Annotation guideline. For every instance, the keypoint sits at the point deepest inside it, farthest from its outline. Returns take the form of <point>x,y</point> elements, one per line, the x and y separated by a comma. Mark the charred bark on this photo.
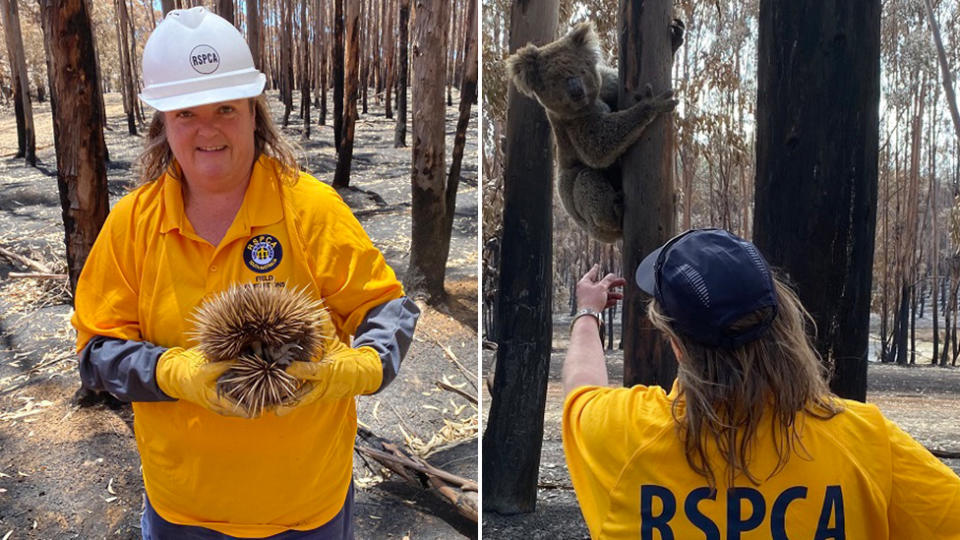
<point>26,134</point>
<point>427,266</point>
<point>650,214</point>
<point>350,75</point>
<point>816,184</point>
<point>77,126</point>
<point>400,132</point>
<point>514,432</point>
<point>337,73</point>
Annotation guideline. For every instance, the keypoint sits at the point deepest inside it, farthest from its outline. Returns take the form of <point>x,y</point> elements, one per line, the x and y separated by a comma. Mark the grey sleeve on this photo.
<point>388,329</point>
<point>126,369</point>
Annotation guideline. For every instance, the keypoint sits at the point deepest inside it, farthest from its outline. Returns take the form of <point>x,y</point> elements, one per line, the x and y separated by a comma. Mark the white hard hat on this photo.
<point>193,58</point>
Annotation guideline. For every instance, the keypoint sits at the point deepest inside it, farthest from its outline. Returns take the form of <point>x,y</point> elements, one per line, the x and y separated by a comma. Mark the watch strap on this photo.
<point>593,313</point>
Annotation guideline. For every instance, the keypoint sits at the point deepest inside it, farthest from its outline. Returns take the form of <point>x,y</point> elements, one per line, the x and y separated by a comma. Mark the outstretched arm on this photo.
<point>584,364</point>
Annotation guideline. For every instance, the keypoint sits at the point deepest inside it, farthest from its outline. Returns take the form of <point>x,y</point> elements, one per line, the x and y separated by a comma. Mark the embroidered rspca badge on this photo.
<point>262,253</point>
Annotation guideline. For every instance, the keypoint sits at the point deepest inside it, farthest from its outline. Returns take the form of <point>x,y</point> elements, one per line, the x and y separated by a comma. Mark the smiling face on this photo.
<point>214,144</point>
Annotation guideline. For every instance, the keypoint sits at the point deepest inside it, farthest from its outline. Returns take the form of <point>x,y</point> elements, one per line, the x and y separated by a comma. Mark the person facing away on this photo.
<point>222,202</point>
<point>749,442</point>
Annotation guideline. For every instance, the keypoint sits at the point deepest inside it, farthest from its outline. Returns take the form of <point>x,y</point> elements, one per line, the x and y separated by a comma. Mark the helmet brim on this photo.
<point>206,97</point>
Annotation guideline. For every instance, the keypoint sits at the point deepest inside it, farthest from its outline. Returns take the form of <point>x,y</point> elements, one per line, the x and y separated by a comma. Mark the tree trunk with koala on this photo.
<point>817,146</point>
<point>514,433</point>
<point>649,207</point>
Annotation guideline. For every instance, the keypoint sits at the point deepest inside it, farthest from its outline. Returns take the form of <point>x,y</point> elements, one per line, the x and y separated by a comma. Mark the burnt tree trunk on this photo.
<point>128,89</point>
<point>225,10</point>
<point>514,432</point>
<point>388,56</point>
<point>425,273</point>
<point>816,184</point>
<point>134,64</point>
<point>649,197</point>
<point>350,93</point>
<point>468,96</point>
<point>364,58</point>
<point>253,31</point>
<point>324,52</point>
<point>286,60</point>
<point>167,6</point>
<point>337,73</point>
<point>305,69</point>
<point>400,132</point>
<point>902,328</point>
<point>26,135</point>
<point>77,126</point>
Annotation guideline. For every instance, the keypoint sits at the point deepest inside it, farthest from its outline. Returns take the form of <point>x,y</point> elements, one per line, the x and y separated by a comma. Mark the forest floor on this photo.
<point>68,471</point>
<point>923,400</point>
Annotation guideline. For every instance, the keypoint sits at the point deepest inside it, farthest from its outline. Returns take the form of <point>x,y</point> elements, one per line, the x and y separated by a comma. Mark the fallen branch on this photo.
<point>458,491</point>
<point>471,377</point>
<point>35,275</point>
<point>946,454</point>
<point>551,485</point>
<point>39,267</point>
<point>52,361</point>
<point>444,386</point>
<point>398,457</point>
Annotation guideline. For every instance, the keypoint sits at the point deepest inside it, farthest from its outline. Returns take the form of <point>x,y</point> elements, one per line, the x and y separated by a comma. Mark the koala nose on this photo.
<point>575,88</point>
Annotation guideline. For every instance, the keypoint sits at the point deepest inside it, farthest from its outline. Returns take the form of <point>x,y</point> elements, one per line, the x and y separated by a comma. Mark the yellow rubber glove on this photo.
<point>341,372</point>
<point>185,374</point>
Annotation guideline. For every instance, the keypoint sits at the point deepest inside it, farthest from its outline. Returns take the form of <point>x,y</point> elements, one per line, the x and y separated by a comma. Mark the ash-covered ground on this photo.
<point>73,472</point>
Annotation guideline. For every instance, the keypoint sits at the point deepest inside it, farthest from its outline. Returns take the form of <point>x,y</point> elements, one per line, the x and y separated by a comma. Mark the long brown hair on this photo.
<point>157,156</point>
<point>724,393</point>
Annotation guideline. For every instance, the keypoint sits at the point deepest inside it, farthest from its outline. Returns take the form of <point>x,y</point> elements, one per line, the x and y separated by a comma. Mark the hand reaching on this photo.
<point>598,295</point>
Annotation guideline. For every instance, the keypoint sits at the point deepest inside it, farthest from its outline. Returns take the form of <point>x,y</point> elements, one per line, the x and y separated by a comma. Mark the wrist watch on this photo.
<point>592,313</point>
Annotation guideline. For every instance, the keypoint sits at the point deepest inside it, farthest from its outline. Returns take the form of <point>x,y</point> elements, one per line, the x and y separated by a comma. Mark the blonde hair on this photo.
<point>156,156</point>
<point>724,393</point>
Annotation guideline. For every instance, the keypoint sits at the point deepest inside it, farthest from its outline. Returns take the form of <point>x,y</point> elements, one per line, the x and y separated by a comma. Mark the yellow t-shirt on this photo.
<point>858,476</point>
<point>145,274</point>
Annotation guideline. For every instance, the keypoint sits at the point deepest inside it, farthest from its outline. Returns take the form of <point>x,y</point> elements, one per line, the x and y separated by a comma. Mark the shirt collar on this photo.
<point>261,204</point>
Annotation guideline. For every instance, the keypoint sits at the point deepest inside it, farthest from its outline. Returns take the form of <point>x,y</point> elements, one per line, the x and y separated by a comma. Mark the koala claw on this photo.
<point>677,29</point>
<point>663,102</point>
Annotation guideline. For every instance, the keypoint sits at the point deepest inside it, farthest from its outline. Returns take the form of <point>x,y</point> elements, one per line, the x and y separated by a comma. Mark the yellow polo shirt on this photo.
<point>145,274</point>
<point>857,476</point>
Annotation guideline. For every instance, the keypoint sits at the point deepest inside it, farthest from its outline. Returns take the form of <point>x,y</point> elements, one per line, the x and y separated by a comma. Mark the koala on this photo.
<point>579,94</point>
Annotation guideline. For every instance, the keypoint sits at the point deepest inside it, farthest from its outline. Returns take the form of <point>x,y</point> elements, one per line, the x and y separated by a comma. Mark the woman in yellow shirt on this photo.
<point>222,202</point>
<point>750,442</point>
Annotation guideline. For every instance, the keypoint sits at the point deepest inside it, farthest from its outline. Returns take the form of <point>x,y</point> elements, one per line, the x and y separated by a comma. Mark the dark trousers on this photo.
<point>154,527</point>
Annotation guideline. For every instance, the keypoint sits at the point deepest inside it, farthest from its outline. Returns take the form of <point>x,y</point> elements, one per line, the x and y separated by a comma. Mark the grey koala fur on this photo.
<point>579,94</point>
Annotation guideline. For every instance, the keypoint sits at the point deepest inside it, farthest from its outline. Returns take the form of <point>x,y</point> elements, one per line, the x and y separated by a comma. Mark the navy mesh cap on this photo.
<point>707,279</point>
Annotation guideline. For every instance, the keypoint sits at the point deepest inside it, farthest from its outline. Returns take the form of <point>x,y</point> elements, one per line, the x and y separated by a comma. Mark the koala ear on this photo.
<point>583,35</point>
<point>524,69</point>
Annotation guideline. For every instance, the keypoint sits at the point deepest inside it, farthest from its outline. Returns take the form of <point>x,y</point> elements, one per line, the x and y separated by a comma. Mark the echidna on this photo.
<point>263,329</point>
